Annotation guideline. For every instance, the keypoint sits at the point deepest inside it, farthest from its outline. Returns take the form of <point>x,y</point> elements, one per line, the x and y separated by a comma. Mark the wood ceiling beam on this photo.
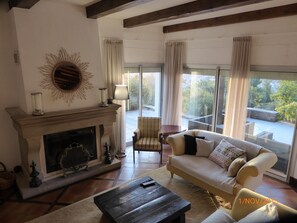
<point>269,13</point>
<point>26,4</point>
<point>185,10</point>
<point>106,7</point>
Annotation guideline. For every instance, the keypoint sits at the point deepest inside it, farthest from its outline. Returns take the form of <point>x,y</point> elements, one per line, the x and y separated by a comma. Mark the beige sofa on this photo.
<point>205,173</point>
<point>247,201</point>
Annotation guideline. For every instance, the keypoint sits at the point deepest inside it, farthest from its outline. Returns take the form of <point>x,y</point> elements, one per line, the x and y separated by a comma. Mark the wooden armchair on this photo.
<point>147,136</point>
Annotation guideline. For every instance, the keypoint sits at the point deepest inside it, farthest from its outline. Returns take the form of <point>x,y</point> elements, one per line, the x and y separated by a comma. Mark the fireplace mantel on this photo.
<point>34,126</point>
<point>31,130</point>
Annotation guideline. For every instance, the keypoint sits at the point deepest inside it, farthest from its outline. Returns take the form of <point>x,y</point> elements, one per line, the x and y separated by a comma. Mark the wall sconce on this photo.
<point>103,98</point>
<point>37,103</point>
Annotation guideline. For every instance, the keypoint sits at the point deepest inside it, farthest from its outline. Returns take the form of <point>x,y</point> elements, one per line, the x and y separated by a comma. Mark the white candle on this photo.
<point>37,98</point>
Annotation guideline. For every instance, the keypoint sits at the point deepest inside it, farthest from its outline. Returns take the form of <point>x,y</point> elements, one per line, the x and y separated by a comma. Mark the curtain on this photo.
<point>236,107</point>
<point>113,58</point>
<point>172,94</point>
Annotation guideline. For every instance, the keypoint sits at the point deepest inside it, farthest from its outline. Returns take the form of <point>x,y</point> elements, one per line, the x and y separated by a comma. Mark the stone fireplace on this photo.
<point>42,139</point>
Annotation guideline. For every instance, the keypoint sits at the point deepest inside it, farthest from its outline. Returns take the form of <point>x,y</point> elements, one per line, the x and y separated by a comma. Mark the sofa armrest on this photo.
<point>177,142</point>
<point>256,166</point>
<point>247,201</point>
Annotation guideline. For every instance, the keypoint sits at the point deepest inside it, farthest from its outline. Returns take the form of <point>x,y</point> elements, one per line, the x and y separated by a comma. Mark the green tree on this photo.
<point>255,96</point>
<point>148,90</point>
<point>260,94</point>
<point>286,99</point>
<point>198,97</point>
<point>133,81</point>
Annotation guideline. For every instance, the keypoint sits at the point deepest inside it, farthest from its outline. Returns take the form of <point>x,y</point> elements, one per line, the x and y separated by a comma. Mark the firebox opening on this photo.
<point>55,144</point>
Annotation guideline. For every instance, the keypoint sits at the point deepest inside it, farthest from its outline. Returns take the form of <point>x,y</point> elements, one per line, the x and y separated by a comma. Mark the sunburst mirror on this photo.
<point>66,76</point>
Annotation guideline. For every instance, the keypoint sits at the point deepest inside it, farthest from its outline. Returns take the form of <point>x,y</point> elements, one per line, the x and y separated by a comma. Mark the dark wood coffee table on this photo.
<point>133,203</point>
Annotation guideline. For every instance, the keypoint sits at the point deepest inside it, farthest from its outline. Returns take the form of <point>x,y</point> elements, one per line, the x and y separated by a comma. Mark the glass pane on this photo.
<point>151,91</point>
<point>198,94</point>
<point>131,78</point>
<point>272,107</point>
<point>221,100</point>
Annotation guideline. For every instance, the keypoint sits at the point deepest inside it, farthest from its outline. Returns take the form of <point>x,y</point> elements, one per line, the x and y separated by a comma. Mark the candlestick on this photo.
<point>37,103</point>
<point>103,99</point>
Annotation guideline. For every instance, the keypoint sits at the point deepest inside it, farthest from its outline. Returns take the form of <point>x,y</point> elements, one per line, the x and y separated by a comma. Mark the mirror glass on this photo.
<point>66,76</point>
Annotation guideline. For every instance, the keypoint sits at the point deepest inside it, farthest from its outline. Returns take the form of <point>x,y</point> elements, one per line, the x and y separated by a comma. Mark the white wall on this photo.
<point>9,151</point>
<point>44,29</point>
<point>141,45</point>
<point>274,42</point>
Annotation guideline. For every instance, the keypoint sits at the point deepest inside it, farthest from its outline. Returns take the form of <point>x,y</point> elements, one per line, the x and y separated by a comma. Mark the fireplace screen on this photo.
<point>55,144</point>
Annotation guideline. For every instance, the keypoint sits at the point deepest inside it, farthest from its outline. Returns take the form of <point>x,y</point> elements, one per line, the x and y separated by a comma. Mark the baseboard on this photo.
<point>293,182</point>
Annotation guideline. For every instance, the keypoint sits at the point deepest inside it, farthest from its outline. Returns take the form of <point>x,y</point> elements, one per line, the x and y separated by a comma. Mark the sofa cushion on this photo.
<point>235,166</point>
<point>205,170</point>
<point>190,144</point>
<point>225,153</point>
<point>219,216</point>
<point>204,147</point>
<point>264,214</point>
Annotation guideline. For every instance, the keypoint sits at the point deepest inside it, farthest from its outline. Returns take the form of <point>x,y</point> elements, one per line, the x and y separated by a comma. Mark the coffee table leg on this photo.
<point>180,219</point>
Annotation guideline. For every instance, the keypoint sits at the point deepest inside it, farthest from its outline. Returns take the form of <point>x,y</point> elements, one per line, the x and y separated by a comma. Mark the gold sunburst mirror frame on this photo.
<point>66,76</point>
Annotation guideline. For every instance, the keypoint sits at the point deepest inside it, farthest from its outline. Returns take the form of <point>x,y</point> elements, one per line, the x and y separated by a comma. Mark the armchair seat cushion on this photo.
<point>208,171</point>
<point>148,144</point>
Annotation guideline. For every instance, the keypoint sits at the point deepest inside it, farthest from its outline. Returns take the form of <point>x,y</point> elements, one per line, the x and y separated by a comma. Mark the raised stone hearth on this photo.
<point>32,130</point>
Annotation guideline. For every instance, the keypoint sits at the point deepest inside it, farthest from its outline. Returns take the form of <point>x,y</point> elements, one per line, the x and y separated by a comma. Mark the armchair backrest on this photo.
<point>149,126</point>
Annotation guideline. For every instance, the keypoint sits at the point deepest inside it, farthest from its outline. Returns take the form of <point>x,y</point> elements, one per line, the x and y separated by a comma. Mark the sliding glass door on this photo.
<point>144,85</point>
<point>272,107</point>
<point>204,99</point>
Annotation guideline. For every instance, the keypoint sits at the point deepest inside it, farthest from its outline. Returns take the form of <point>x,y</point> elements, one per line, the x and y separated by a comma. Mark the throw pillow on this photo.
<point>267,213</point>
<point>204,147</point>
<point>235,166</point>
<point>225,153</point>
<point>190,144</point>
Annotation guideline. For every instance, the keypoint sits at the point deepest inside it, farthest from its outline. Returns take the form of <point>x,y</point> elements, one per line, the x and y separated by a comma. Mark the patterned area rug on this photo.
<point>202,203</point>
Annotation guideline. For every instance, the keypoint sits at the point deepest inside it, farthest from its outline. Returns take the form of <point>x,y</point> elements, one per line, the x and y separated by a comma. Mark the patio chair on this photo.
<point>147,136</point>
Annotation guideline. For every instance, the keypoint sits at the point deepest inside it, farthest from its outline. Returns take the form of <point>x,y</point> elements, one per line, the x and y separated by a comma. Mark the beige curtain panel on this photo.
<point>236,106</point>
<point>113,60</point>
<point>173,70</point>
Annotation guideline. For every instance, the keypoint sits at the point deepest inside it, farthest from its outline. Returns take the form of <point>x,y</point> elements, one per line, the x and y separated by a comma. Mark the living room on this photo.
<point>31,34</point>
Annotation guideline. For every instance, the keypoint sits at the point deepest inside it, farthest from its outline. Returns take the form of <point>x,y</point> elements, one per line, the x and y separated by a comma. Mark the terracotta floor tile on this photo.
<point>48,197</point>
<point>56,207</point>
<point>273,183</point>
<point>83,190</point>
<point>126,175</point>
<point>110,175</point>
<point>21,211</point>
